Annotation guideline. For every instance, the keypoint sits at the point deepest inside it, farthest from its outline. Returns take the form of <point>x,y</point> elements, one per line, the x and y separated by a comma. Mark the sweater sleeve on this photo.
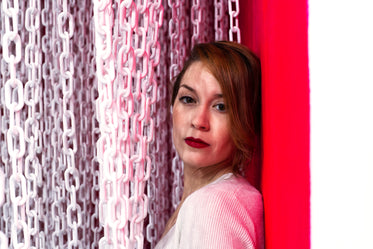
<point>221,219</point>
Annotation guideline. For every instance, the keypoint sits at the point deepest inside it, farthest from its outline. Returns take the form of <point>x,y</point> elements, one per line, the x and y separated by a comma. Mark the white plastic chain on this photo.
<point>32,92</point>
<point>43,194</point>
<point>85,140</point>
<point>178,30</point>
<point>221,20</point>
<point>234,30</point>
<point>127,51</point>
<point>65,27</point>
<point>15,136</point>
<point>158,184</point>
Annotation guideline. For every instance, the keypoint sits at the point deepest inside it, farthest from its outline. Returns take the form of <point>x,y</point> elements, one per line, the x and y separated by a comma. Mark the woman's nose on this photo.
<point>201,120</point>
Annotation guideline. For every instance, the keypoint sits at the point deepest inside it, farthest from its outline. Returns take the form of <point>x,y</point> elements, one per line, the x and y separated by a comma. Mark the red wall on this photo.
<point>277,30</point>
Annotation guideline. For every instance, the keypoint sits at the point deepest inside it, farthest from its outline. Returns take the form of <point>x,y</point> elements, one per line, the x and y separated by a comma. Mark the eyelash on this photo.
<point>186,100</point>
<point>221,107</point>
<point>220,104</point>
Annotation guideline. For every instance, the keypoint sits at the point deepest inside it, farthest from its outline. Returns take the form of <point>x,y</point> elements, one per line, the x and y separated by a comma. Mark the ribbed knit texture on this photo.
<point>227,213</point>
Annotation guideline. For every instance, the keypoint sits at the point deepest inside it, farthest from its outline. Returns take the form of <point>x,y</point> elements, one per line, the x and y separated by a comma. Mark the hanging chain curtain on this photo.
<point>86,157</point>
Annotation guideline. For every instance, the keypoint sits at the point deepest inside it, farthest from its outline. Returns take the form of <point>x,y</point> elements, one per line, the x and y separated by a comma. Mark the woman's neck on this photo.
<point>196,178</point>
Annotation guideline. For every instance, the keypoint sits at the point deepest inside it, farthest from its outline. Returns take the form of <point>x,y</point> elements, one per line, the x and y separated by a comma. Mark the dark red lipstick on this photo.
<point>196,142</point>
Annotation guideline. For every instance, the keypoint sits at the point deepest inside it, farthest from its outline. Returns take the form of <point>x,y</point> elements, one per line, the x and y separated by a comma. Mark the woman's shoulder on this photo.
<point>230,194</point>
<point>226,212</point>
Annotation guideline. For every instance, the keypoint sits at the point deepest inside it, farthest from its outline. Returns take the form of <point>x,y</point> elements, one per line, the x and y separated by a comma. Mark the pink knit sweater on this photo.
<point>227,213</point>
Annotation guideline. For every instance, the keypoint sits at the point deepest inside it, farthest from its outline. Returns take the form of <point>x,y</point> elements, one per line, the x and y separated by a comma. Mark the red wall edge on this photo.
<point>277,30</point>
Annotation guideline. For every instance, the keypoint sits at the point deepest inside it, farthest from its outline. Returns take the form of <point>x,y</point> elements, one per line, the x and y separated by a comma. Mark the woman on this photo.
<point>216,123</point>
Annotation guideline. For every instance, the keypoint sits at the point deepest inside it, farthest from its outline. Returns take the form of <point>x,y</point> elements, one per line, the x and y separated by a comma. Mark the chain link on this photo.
<point>234,11</point>
<point>221,20</point>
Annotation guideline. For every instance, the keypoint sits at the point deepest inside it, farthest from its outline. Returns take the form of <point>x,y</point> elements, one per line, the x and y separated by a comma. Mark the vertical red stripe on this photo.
<point>282,27</point>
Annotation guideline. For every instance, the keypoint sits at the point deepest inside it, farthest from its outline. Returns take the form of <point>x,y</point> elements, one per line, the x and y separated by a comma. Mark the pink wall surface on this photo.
<point>277,30</point>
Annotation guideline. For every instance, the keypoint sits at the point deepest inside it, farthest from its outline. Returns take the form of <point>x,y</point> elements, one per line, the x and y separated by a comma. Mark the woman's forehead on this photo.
<point>197,76</point>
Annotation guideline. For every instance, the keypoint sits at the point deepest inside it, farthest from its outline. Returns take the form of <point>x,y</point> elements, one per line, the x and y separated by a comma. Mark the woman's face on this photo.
<point>200,120</point>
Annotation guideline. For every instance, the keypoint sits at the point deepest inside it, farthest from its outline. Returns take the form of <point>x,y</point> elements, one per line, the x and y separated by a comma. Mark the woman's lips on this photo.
<point>196,142</point>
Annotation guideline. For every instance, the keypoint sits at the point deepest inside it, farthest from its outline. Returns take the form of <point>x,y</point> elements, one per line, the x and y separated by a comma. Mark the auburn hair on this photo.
<point>237,69</point>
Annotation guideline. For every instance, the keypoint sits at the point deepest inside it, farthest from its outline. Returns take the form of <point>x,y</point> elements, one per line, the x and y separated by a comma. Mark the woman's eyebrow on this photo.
<point>188,87</point>
<point>217,96</point>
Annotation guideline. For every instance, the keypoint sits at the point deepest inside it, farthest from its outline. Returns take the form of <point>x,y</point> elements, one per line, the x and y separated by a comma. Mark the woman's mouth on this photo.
<point>196,142</point>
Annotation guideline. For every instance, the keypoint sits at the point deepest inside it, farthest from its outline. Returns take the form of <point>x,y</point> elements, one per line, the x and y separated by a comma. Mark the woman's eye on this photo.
<point>220,107</point>
<point>186,99</point>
